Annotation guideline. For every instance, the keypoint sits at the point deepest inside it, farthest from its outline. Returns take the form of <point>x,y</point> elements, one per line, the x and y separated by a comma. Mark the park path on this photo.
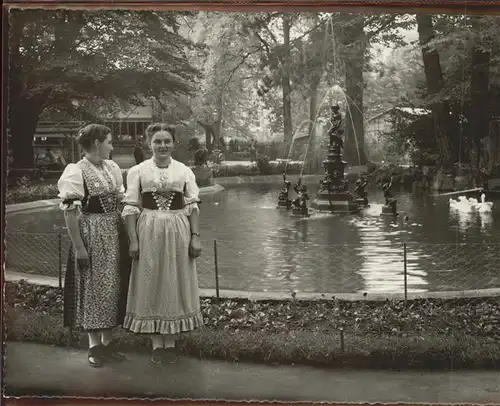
<point>34,369</point>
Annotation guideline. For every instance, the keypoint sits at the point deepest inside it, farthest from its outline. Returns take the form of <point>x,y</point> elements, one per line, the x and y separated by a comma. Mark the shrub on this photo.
<point>264,165</point>
<point>371,167</point>
<point>398,173</point>
<point>221,170</point>
<point>29,193</point>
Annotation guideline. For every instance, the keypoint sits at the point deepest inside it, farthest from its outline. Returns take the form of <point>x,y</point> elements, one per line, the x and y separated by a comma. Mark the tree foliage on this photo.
<point>259,75</point>
<point>74,61</point>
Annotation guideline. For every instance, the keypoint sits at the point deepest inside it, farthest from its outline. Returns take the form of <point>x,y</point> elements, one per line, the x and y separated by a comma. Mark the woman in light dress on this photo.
<point>96,276</point>
<point>162,219</point>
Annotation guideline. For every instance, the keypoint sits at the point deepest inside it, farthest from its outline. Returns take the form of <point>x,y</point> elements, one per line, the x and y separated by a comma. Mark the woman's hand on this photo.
<point>195,246</point>
<point>82,258</point>
<point>133,250</point>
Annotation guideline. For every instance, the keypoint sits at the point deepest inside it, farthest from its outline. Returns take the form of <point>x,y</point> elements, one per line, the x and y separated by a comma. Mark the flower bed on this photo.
<point>31,193</point>
<point>436,334</point>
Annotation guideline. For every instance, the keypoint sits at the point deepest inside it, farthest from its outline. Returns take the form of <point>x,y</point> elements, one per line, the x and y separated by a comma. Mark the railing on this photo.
<point>296,267</point>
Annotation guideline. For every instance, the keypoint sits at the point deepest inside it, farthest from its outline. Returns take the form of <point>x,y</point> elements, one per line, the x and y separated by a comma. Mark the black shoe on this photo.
<point>157,356</point>
<point>96,356</point>
<point>112,353</point>
<point>170,355</point>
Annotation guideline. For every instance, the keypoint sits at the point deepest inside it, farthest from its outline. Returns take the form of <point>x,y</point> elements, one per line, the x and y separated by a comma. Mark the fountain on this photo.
<point>390,206</point>
<point>334,195</point>
<point>361,197</point>
<point>300,202</point>
<point>284,196</point>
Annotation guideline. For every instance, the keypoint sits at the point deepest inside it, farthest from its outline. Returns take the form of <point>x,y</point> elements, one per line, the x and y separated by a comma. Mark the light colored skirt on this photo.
<point>163,295</point>
<point>93,298</point>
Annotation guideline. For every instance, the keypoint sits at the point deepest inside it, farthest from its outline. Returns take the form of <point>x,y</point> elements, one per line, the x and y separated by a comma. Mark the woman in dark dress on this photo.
<point>97,274</point>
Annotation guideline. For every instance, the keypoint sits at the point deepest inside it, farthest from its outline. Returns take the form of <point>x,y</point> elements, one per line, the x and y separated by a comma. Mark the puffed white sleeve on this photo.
<point>71,188</point>
<point>132,200</point>
<point>118,175</point>
<point>191,193</point>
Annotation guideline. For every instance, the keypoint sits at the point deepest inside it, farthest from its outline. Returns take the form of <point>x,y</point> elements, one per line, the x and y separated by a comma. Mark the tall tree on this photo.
<point>435,85</point>
<point>357,34</point>
<point>354,45</point>
<point>274,33</point>
<point>479,86</point>
<point>223,99</point>
<point>70,59</point>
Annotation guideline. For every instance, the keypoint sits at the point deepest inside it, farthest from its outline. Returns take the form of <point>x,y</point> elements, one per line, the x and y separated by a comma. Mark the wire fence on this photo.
<point>290,266</point>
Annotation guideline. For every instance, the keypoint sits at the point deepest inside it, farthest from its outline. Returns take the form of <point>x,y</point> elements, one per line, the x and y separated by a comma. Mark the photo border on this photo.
<point>395,6</point>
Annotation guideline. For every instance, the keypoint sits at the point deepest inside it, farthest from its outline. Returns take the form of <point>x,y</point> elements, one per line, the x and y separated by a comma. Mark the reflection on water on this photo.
<point>262,248</point>
<point>486,220</point>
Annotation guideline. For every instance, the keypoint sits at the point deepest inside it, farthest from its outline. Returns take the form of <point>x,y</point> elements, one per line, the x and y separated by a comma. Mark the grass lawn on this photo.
<point>424,334</point>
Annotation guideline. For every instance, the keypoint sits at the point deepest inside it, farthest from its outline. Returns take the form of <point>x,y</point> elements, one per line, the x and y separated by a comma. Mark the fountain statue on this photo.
<point>202,172</point>
<point>200,156</point>
<point>284,196</point>
<point>360,193</point>
<point>390,206</point>
<point>333,194</point>
<point>300,202</point>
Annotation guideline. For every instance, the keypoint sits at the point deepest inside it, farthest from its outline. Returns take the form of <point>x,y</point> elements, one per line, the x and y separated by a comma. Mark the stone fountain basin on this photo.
<point>204,175</point>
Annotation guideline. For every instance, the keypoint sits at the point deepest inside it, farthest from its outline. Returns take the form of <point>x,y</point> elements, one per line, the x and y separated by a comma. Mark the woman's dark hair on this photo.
<point>90,133</point>
<point>157,127</point>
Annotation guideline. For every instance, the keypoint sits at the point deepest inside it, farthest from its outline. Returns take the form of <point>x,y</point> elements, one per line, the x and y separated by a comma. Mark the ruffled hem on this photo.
<point>162,326</point>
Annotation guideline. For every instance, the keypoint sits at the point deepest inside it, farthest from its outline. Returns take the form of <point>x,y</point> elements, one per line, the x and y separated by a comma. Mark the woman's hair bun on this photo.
<point>87,135</point>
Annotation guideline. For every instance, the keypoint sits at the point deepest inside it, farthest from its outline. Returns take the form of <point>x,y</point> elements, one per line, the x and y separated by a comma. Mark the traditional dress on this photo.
<point>163,295</point>
<point>94,297</point>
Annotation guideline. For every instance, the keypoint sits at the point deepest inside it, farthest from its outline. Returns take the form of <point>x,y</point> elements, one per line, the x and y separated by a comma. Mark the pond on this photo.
<point>261,248</point>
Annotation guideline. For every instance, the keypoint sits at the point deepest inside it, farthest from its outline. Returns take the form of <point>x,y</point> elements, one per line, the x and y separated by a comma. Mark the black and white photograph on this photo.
<point>269,204</point>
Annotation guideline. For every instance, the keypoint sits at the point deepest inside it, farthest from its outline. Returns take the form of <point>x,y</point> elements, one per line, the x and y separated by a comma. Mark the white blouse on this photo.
<point>147,177</point>
<point>71,184</point>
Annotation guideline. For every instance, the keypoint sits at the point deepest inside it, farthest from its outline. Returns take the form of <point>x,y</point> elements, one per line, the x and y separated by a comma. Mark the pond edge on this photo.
<point>41,205</point>
<point>52,281</point>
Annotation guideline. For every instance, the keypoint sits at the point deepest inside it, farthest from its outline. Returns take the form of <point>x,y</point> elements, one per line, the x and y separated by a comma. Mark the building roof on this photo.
<point>413,111</point>
<point>54,129</point>
<point>137,113</point>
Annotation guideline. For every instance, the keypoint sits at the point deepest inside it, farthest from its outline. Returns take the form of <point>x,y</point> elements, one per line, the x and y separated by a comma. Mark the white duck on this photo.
<point>484,206</point>
<point>462,204</point>
<point>473,201</point>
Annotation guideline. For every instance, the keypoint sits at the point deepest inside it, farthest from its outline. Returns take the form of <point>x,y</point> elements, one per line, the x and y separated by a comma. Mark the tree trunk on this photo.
<point>209,138</point>
<point>21,120</point>
<point>209,135</point>
<point>24,105</point>
<point>317,36</point>
<point>285,83</point>
<point>435,83</point>
<point>22,127</point>
<point>355,42</point>
<point>479,87</point>
<point>217,126</point>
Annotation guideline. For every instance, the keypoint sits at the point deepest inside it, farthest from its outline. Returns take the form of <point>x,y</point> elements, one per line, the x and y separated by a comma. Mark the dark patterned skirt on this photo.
<point>95,298</point>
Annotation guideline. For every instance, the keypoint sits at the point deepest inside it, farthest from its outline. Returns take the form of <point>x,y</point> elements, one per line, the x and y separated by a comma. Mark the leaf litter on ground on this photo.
<point>477,316</point>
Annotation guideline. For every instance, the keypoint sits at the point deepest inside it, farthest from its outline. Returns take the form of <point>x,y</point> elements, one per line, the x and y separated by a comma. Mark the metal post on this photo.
<point>216,269</point>
<point>59,244</point>
<point>342,342</point>
<point>405,272</point>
